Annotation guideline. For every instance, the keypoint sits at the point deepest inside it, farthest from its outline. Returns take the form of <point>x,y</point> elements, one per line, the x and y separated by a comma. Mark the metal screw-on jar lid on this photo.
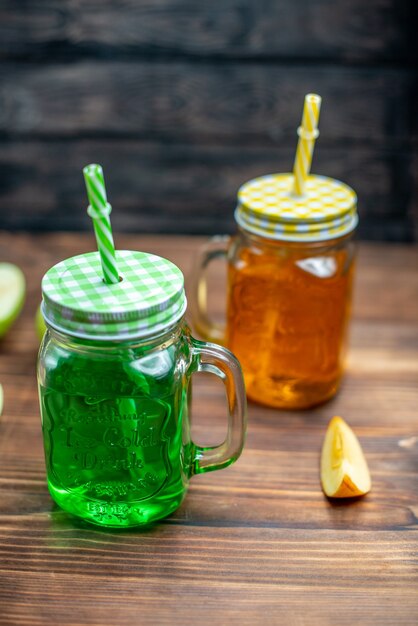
<point>268,206</point>
<point>148,298</point>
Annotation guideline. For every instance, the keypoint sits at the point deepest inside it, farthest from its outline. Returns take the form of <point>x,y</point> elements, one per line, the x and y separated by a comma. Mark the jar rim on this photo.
<point>154,333</point>
<point>267,240</point>
<point>279,237</point>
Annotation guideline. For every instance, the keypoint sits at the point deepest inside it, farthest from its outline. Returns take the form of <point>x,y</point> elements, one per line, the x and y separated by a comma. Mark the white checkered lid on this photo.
<point>148,298</point>
<point>268,207</point>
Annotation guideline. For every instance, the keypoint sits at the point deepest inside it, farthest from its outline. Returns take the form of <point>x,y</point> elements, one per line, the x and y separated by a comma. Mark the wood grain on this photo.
<point>257,543</point>
<point>378,30</point>
<point>200,94</point>
<point>161,188</point>
<point>174,135</point>
<point>232,102</point>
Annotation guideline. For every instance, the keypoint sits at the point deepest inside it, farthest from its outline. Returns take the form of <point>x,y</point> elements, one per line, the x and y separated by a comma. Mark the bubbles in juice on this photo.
<point>287,322</point>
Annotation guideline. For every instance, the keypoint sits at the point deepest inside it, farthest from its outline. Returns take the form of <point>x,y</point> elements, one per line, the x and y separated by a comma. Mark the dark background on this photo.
<point>183,100</point>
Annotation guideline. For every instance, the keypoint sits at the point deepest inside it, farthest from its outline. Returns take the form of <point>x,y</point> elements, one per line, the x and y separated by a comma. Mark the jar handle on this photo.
<point>213,249</point>
<point>208,357</point>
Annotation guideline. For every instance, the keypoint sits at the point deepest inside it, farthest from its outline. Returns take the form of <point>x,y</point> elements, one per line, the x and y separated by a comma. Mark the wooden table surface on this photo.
<point>257,542</point>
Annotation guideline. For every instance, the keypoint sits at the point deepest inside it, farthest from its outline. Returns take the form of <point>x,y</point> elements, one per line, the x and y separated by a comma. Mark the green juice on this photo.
<point>116,430</point>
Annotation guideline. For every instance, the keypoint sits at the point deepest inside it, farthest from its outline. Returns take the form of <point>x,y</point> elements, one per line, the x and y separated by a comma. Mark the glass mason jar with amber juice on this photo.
<point>290,277</point>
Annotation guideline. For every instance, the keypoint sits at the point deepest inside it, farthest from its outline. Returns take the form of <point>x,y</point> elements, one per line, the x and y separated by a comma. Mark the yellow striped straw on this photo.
<point>308,132</point>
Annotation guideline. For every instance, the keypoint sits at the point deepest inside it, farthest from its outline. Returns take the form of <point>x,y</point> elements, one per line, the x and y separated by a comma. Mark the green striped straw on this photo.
<point>99,210</point>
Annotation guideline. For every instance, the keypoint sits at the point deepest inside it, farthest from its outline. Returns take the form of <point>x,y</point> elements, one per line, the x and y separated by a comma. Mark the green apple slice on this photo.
<point>39,323</point>
<point>12,295</point>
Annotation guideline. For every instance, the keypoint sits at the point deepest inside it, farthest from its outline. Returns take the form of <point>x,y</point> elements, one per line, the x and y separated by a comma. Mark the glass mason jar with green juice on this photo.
<point>114,375</point>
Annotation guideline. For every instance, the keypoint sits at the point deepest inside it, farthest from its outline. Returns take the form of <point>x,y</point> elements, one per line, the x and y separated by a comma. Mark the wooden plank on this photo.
<point>93,554</point>
<point>257,543</point>
<point>336,30</point>
<point>157,187</point>
<point>168,574</point>
<point>229,103</point>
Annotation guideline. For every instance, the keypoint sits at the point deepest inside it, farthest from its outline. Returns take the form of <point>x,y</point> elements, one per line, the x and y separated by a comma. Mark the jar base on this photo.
<point>115,514</point>
<point>291,394</point>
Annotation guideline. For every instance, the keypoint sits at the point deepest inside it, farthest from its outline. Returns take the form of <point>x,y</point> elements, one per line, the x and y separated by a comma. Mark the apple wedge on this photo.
<point>12,295</point>
<point>344,471</point>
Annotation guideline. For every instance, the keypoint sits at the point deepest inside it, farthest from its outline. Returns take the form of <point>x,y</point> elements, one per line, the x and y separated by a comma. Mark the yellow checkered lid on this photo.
<point>267,206</point>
